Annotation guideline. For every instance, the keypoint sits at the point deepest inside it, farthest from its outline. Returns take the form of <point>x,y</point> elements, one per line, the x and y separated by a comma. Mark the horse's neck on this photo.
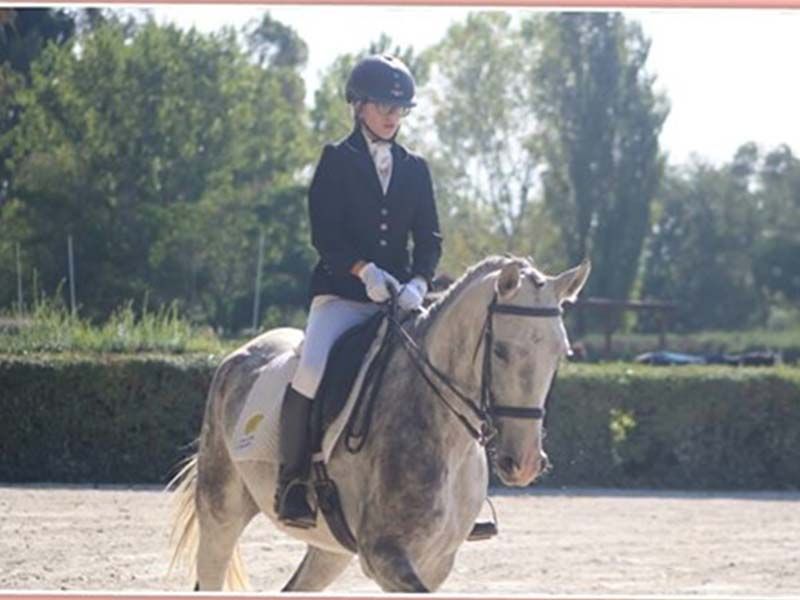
<point>453,340</point>
<point>449,343</point>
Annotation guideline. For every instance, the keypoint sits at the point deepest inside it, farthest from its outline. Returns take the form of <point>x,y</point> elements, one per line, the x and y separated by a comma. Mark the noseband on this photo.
<point>487,409</point>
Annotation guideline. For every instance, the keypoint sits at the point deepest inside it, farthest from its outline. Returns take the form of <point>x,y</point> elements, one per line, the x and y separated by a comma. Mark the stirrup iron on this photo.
<point>484,530</point>
<point>293,509</point>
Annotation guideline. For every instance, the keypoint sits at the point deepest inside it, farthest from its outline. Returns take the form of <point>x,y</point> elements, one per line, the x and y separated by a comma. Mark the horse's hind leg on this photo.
<point>216,560</point>
<point>317,571</point>
<point>224,508</point>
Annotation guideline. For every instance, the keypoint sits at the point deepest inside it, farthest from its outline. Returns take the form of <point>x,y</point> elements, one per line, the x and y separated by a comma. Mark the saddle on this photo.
<point>341,370</point>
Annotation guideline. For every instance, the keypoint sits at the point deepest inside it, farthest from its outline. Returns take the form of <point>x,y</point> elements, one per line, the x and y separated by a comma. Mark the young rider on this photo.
<point>369,197</point>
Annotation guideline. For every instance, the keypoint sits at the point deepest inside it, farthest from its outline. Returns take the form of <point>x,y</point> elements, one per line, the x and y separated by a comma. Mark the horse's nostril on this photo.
<point>507,464</point>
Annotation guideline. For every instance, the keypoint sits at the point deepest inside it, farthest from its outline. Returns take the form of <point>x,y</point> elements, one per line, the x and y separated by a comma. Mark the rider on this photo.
<point>369,194</point>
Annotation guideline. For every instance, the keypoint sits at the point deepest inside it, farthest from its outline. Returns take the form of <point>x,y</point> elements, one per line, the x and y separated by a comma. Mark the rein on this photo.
<point>487,408</point>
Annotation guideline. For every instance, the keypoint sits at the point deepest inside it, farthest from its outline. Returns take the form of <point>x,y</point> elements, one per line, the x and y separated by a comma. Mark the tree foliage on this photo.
<point>601,119</point>
<point>483,116</point>
<point>275,44</point>
<point>776,264</point>
<point>24,33</point>
<point>164,153</point>
<point>725,243</point>
<point>486,158</point>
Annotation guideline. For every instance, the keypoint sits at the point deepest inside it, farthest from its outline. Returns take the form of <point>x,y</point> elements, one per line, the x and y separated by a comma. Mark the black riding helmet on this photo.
<point>381,78</point>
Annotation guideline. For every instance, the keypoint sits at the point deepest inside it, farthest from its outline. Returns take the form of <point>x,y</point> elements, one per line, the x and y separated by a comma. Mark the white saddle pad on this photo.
<point>256,433</point>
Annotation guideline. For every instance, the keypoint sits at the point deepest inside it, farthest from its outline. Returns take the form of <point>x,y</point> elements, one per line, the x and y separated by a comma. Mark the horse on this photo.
<point>413,492</point>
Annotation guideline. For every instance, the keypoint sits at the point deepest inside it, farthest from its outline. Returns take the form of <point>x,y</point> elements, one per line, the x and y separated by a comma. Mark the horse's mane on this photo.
<point>476,271</point>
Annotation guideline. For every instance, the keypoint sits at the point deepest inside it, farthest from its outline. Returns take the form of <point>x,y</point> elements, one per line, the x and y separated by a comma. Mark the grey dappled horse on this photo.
<point>412,494</point>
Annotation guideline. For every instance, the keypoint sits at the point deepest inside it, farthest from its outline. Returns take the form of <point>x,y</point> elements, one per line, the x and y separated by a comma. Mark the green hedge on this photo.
<point>130,419</point>
<point>98,419</point>
<point>675,427</point>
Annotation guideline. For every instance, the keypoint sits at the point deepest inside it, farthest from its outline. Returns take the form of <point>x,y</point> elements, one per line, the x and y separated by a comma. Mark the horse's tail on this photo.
<point>184,537</point>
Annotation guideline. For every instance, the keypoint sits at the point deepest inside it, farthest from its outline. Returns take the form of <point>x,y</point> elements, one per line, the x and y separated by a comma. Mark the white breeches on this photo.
<point>329,317</point>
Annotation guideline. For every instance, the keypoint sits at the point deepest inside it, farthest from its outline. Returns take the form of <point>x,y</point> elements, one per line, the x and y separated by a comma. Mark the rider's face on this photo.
<point>382,120</point>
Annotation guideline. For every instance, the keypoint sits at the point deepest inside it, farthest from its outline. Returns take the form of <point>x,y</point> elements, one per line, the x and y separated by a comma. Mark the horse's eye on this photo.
<point>501,351</point>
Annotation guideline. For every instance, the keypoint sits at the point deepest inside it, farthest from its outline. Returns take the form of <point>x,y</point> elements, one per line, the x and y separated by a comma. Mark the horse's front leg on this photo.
<point>386,561</point>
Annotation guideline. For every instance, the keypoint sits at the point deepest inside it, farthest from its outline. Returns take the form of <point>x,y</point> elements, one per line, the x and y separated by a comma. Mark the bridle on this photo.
<point>487,409</point>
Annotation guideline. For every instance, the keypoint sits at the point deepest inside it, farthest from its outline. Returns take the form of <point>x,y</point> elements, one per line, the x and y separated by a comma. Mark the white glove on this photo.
<point>412,294</point>
<point>376,280</point>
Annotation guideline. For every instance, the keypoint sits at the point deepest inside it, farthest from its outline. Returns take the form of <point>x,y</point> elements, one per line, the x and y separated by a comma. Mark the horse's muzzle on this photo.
<point>511,472</point>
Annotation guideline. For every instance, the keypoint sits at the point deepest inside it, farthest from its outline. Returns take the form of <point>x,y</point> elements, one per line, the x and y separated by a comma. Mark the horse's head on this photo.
<point>527,345</point>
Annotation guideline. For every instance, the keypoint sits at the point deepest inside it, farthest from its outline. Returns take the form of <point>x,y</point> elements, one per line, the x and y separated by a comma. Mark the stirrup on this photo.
<point>482,531</point>
<point>293,509</point>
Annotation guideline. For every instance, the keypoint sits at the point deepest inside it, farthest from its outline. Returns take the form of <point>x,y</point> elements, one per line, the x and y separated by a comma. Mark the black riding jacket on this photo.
<point>352,220</point>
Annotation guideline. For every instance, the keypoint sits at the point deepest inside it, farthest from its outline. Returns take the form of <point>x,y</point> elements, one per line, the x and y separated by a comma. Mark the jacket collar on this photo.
<point>358,144</point>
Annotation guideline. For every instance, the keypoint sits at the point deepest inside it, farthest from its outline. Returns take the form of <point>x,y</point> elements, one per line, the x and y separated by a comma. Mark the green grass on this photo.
<point>50,328</point>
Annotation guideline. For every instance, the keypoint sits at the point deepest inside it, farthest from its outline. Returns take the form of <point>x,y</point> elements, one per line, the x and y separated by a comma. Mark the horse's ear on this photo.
<point>508,281</point>
<point>569,283</point>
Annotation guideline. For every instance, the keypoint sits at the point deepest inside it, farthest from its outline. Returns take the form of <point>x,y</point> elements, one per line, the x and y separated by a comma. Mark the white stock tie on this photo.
<point>382,157</point>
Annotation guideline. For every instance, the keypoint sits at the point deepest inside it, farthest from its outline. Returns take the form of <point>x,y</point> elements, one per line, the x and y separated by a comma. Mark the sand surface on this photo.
<point>554,542</point>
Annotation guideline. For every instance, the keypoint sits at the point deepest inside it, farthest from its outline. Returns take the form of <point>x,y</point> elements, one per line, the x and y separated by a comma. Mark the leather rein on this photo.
<point>487,409</point>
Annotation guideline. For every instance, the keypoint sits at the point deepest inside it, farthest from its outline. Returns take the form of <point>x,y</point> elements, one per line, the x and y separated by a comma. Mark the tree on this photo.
<point>700,250</point>
<point>600,122</point>
<point>725,242</point>
<point>24,32</point>
<point>485,155</point>
<point>275,44</point>
<point>776,267</point>
<point>164,152</point>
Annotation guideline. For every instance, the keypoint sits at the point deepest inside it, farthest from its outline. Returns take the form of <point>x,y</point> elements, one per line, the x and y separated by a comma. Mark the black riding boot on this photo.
<point>291,504</point>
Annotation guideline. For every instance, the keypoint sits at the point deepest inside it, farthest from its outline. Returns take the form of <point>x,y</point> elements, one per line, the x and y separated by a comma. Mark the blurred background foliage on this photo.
<point>168,154</point>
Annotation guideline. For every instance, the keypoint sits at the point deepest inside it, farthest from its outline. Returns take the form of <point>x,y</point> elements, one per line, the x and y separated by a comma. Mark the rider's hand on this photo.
<point>412,294</point>
<point>377,282</point>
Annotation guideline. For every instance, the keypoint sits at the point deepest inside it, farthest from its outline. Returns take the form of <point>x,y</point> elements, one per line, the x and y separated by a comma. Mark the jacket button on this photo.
<point>382,242</point>
<point>384,212</point>
<point>384,227</point>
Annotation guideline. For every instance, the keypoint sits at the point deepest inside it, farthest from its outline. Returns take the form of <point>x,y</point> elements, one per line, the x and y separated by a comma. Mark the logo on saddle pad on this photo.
<point>250,427</point>
<point>252,423</point>
<point>256,434</point>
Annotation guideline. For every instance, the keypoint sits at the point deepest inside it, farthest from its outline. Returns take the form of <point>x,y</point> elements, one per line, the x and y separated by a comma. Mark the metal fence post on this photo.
<point>71,260</point>
<point>257,299</point>
<point>20,306</point>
